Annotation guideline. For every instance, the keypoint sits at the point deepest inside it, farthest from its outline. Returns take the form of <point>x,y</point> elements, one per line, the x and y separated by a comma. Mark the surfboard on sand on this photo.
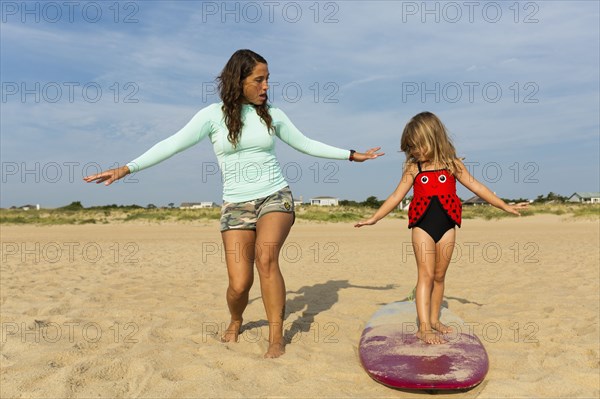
<point>392,355</point>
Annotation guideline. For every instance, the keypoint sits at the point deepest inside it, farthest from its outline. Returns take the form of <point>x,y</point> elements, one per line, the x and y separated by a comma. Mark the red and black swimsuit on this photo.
<point>435,207</point>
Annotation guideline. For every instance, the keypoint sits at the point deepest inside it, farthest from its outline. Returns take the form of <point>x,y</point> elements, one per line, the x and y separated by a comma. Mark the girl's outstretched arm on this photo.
<point>394,199</point>
<point>479,189</point>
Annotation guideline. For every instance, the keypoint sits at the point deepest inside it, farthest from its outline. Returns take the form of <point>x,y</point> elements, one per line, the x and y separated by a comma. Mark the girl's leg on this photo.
<point>443,249</point>
<point>239,256</point>
<point>425,253</point>
<point>271,231</point>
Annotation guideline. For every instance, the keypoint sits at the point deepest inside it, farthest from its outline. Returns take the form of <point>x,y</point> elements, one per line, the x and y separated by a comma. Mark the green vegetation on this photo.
<point>489,212</point>
<point>338,213</point>
<point>76,214</point>
<point>591,211</point>
<point>550,197</point>
<point>370,202</point>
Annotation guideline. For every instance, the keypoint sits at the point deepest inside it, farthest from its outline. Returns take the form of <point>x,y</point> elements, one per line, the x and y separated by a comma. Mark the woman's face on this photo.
<point>256,85</point>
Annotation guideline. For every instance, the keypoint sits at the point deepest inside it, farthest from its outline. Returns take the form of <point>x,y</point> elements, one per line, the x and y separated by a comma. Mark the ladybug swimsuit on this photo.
<point>435,206</point>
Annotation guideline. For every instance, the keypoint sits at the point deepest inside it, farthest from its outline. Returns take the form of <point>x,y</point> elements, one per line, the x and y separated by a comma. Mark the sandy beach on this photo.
<point>134,310</point>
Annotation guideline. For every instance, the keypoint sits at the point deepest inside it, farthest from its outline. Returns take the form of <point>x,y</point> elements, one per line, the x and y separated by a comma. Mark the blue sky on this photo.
<point>92,85</point>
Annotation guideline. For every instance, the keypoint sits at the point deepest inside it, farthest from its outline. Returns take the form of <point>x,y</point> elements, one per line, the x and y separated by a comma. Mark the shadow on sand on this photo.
<point>311,301</point>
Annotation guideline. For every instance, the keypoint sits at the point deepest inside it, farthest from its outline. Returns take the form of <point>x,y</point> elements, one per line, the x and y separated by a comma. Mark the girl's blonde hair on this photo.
<point>425,132</point>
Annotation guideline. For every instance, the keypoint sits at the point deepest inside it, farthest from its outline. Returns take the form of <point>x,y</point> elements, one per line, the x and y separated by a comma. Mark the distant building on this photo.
<point>29,207</point>
<point>298,202</point>
<point>404,205</point>
<point>197,205</point>
<point>585,198</point>
<point>325,201</point>
<point>475,200</point>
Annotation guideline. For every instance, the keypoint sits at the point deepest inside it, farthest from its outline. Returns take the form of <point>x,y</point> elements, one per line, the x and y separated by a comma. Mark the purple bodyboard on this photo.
<point>392,355</point>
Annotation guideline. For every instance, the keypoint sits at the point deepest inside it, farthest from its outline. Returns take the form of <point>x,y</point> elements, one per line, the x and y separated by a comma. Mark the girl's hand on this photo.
<point>370,154</point>
<point>514,209</point>
<point>367,222</point>
<point>108,176</point>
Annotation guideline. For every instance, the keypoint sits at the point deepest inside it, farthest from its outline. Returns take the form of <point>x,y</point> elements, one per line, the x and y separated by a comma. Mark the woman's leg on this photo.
<point>443,248</point>
<point>425,254</point>
<point>239,256</point>
<point>271,231</point>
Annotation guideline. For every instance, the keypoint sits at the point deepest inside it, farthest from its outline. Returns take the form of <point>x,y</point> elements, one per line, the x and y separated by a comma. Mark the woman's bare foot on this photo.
<point>430,337</point>
<point>441,328</point>
<point>276,349</point>
<point>233,331</point>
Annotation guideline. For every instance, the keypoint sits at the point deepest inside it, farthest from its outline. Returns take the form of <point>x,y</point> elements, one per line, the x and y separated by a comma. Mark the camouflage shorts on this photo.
<point>244,215</point>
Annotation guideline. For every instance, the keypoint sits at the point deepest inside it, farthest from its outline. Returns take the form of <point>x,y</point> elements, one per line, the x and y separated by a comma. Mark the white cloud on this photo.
<point>369,55</point>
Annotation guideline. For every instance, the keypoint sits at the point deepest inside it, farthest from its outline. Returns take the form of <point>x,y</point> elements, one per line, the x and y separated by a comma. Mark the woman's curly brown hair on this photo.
<point>231,90</point>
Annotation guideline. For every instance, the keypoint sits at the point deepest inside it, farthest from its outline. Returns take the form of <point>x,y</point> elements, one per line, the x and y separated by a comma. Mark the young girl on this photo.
<point>432,167</point>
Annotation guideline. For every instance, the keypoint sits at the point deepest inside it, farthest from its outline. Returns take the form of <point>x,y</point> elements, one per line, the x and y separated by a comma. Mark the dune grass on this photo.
<point>335,214</point>
<point>586,211</point>
<point>338,213</point>
<point>103,216</point>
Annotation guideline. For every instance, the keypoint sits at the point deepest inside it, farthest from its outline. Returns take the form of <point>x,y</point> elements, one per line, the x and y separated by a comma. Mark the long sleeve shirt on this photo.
<point>249,170</point>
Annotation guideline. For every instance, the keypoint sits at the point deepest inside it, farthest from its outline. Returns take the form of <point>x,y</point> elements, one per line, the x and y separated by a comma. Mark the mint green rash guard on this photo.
<point>250,170</point>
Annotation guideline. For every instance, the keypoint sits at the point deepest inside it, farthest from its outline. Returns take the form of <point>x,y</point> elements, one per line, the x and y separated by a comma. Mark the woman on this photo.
<point>258,208</point>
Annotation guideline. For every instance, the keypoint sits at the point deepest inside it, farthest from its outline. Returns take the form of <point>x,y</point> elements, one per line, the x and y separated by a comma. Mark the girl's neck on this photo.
<point>429,165</point>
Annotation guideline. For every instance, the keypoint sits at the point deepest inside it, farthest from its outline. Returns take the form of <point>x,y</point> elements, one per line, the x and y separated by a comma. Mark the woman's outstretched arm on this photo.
<point>194,131</point>
<point>288,133</point>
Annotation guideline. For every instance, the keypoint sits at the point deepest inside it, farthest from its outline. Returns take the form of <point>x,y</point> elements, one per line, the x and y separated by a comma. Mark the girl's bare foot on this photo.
<point>441,328</point>
<point>233,331</point>
<point>430,337</point>
<point>276,349</point>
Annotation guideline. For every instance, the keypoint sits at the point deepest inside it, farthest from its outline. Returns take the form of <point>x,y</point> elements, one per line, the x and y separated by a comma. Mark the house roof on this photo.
<point>474,200</point>
<point>582,194</point>
<point>323,198</point>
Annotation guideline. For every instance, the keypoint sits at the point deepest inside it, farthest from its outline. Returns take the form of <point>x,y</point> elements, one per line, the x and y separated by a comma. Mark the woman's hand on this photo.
<point>108,176</point>
<point>370,154</point>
